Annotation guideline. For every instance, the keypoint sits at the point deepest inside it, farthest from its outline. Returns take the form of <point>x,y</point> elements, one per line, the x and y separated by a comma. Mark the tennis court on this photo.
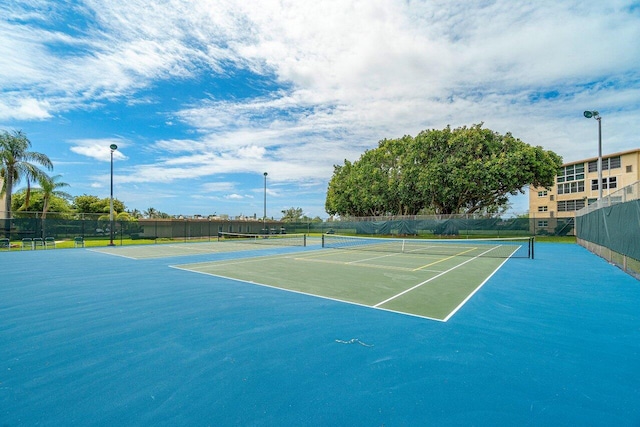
<point>88,338</point>
<point>232,243</point>
<point>425,278</point>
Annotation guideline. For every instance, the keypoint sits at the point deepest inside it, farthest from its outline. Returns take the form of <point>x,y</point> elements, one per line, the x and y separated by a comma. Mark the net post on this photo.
<point>304,240</point>
<point>323,240</point>
<point>531,245</point>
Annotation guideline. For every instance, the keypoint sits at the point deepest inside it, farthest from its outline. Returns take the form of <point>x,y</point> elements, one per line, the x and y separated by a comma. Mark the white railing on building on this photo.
<point>626,194</point>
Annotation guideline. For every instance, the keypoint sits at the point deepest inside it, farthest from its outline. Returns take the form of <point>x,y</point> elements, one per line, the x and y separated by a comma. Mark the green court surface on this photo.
<point>430,286</point>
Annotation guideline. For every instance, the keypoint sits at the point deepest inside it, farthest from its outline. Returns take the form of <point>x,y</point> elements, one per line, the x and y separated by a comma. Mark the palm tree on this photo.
<point>15,164</point>
<point>151,213</point>
<point>49,187</point>
<point>135,213</point>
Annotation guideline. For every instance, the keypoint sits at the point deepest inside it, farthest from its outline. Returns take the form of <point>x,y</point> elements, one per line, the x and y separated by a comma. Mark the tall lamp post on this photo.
<point>113,148</point>
<point>596,115</point>
<point>264,216</point>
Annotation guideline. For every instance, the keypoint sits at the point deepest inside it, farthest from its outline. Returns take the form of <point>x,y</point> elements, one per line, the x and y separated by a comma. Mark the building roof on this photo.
<point>591,159</point>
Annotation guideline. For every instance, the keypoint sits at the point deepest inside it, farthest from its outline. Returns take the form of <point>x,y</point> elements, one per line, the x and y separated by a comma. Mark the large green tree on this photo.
<point>56,205</point>
<point>449,171</point>
<point>93,204</point>
<point>17,162</point>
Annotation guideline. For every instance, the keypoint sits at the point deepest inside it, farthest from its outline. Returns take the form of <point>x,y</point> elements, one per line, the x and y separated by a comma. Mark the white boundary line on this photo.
<point>433,278</point>
<point>377,306</point>
<point>305,293</point>
<point>455,310</point>
<point>97,251</point>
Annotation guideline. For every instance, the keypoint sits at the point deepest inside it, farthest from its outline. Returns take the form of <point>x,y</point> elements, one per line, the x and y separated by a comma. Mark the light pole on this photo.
<point>113,148</point>
<point>596,115</point>
<point>264,216</point>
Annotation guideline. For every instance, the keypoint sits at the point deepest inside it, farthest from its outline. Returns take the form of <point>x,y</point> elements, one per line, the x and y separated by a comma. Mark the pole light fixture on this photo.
<point>113,148</point>
<point>596,115</point>
<point>264,216</point>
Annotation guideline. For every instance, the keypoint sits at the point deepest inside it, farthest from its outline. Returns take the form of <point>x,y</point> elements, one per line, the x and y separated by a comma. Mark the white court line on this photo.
<point>372,258</point>
<point>98,251</point>
<point>455,310</point>
<point>433,278</point>
<point>328,261</point>
<point>183,268</point>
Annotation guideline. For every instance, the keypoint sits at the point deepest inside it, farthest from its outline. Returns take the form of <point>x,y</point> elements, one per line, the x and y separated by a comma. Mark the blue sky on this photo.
<point>204,96</point>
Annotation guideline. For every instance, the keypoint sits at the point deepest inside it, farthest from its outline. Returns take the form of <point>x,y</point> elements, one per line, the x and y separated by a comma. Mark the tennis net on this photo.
<point>518,247</point>
<point>264,239</point>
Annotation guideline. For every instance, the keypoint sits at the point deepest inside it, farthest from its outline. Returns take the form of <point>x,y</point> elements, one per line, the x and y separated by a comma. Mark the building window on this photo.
<point>571,173</point>
<point>629,169</point>
<point>542,193</point>
<point>542,209</point>
<point>562,205</point>
<point>614,162</point>
<point>609,163</point>
<point>543,223</point>
<point>607,183</point>
<point>571,187</point>
<point>570,205</point>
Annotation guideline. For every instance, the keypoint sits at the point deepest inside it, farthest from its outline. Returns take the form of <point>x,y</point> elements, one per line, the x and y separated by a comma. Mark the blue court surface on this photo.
<point>88,338</point>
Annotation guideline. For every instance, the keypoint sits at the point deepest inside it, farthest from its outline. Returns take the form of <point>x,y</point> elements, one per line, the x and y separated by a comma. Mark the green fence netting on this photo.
<point>615,227</point>
<point>19,228</point>
<point>16,229</point>
<point>434,226</point>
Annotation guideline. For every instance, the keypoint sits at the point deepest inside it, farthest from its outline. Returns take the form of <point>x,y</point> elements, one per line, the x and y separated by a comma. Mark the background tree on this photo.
<point>93,204</point>
<point>58,206</point>
<point>125,216</point>
<point>135,213</point>
<point>121,216</point>
<point>16,163</point>
<point>291,215</point>
<point>87,204</point>
<point>151,213</point>
<point>464,170</point>
<point>50,187</point>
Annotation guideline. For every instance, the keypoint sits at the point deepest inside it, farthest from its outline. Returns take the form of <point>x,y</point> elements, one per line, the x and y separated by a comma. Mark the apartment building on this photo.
<point>577,185</point>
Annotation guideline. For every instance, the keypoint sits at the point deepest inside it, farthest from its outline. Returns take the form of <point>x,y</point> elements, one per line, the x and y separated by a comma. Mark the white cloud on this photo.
<point>393,67</point>
<point>99,149</point>
<point>251,152</point>
<point>215,187</point>
<point>347,74</point>
<point>24,109</point>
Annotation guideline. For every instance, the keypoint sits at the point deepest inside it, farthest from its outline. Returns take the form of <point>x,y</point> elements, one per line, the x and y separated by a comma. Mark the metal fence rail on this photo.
<point>626,194</point>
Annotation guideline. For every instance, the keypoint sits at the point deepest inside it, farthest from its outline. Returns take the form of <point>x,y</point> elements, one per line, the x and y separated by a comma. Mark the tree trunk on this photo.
<point>9,189</point>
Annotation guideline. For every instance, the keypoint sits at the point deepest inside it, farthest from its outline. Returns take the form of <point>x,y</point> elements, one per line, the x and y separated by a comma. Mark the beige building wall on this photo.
<point>576,184</point>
